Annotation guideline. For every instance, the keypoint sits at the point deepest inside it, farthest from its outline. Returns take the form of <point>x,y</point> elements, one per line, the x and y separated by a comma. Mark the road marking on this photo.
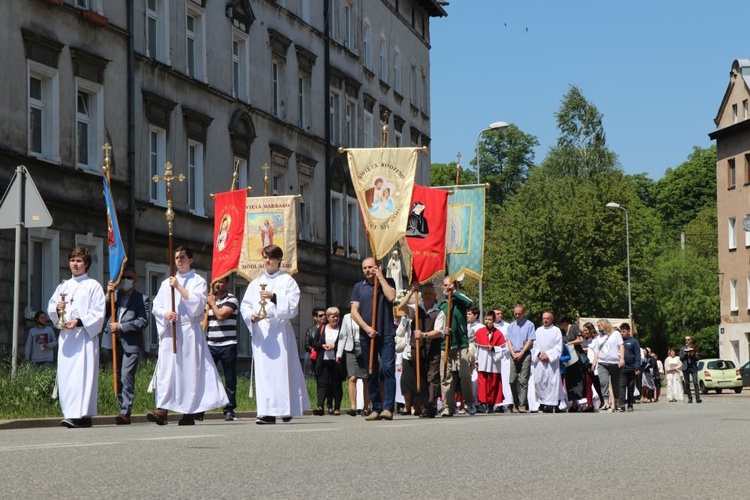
<point>313,430</point>
<point>176,437</point>
<point>55,445</point>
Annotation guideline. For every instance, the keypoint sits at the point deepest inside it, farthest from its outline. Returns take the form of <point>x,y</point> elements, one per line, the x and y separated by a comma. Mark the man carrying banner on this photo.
<point>131,317</point>
<point>383,331</point>
<point>458,355</point>
<point>186,381</point>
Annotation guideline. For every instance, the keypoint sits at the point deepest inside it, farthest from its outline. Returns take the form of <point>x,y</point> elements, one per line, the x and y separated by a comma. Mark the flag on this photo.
<point>117,258</point>
<point>425,232</point>
<point>383,179</point>
<point>229,228</point>
<point>465,238</point>
<point>269,220</point>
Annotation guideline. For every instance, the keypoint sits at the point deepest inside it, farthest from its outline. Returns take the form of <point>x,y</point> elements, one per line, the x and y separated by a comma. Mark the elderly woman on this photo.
<point>673,367</point>
<point>609,358</point>
<point>328,371</point>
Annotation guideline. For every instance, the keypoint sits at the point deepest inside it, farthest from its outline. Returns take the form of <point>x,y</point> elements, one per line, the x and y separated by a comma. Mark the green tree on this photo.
<point>682,192</point>
<point>442,174</point>
<point>505,157</point>
<point>644,187</point>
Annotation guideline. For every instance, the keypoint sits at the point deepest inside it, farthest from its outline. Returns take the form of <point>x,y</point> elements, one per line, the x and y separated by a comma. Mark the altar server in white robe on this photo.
<point>78,344</point>
<point>545,360</point>
<point>186,382</point>
<point>280,387</point>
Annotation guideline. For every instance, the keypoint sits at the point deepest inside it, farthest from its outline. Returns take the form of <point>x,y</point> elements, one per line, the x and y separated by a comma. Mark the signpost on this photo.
<point>21,206</point>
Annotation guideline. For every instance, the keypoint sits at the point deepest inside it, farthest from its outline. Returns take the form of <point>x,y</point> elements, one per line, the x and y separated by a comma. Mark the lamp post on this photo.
<point>493,126</point>
<point>616,206</point>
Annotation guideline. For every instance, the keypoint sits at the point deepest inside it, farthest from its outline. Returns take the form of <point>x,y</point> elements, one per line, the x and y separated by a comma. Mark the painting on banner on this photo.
<point>383,179</point>
<point>425,232</point>
<point>465,237</point>
<point>269,220</point>
<point>229,229</point>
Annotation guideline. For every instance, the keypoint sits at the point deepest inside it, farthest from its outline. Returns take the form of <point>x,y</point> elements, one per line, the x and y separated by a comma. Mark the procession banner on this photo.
<point>465,237</point>
<point>269,220</point>
<point>117,258</point>
<point>229,229</point>
<point>425,232</point>
<point>383,179</point>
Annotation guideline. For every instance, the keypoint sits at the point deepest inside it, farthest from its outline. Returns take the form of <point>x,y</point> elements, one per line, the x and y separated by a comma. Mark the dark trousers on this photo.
<point>384,364</point>
<point>432,360</point>
<point>694,376</point>
<point>329,381</point>
<point>127,365</point>
<point>227,355</point>
<point>627,387</point>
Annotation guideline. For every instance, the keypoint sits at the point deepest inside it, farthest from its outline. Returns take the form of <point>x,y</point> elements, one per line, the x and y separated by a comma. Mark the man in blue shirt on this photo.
<point>632,368</point>
<point>520,338</point>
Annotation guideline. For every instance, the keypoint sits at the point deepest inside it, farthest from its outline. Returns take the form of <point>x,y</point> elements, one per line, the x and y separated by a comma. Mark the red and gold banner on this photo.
<point>425,232</point>
<point>229,228</point>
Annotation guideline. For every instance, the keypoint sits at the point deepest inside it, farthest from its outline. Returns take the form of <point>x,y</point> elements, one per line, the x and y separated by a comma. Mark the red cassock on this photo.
<point>489,381</point>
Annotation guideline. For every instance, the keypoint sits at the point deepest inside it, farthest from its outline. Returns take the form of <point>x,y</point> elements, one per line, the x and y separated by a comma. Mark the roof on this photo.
<point>434,7</point>
<point>741,67</point>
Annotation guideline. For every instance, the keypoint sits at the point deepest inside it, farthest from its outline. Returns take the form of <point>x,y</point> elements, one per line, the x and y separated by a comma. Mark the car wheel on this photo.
<point>718,391</point>
<point>738,390</point>
<point>703,387</point>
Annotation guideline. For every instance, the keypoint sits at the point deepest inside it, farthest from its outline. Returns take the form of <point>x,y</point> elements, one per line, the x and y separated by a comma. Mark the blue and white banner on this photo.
<point>117,258</point>
<point>464,241</point>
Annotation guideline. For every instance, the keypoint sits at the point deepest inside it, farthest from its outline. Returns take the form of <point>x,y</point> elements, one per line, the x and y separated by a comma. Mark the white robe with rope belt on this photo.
<point>547,373</point>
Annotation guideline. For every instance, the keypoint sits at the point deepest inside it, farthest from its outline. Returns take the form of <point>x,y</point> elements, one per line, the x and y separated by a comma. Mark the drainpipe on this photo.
<point>131,131</point>
<point>328,170</point>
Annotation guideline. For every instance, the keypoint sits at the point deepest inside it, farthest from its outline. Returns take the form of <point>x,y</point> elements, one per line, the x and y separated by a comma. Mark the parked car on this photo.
<point>718,374</point>
<point>745,373</point>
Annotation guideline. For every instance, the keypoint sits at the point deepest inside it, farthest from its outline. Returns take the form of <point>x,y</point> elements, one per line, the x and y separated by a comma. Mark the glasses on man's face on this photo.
<point>321,315</point>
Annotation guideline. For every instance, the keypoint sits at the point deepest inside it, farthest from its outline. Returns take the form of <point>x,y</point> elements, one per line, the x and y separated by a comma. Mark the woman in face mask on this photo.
<point>609,358</point>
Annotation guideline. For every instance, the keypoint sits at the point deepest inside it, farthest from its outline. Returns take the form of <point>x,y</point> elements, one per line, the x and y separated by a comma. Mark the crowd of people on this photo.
<point>406,353</point>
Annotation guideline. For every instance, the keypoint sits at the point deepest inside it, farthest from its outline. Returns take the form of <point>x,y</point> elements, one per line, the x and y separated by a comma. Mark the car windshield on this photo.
<point>720,364</point>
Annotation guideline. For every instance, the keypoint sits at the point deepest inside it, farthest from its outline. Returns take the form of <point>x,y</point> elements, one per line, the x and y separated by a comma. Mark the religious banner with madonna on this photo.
<point>383,179</point>
<point>269,220</point>
<point>229,229</point>
<point>464,243</point>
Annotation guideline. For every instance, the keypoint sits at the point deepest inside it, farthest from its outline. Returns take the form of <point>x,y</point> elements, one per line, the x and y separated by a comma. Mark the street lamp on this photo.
<point>616,206</point>
<point>493,126</point>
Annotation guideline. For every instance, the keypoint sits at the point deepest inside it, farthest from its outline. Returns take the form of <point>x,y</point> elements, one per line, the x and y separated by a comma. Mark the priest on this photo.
<point>78,345</point>
<point>545,360</point>
<point>280,384</point>
<point>187,382</point>
<point>490,345</point>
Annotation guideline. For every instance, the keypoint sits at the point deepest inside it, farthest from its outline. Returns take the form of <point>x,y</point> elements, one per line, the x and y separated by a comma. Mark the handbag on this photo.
<point>573,358</point>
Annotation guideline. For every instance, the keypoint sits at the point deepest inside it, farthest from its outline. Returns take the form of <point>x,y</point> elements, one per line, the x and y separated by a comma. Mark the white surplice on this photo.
<point>78,349</point>
<point>279,382</point>
<point>188,381</point>
<point>547,373</point>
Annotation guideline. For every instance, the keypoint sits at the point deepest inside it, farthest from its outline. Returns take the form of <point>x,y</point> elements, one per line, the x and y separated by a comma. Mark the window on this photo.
<point>195,36</point>
<point>735,115</point>
<point>155,274</point>
<point>43,273</point>
<point>368,130</point>
<point>279,169</point>
<point>425,94</point>
<point>747,288</point>
<point>733,298</point>
<point>303,99</point>
<point>335,114</point>
<point>277,71</point>
<point>335,8</point>
<point>366,45</point>
<point>305,204</point>
<point>747,233</point>
<point>241,166</point>
<point>95,246</point>
<point>157,30</point>
<point>413,85</point>
<point>351,125</point>
<point>744,109</point>
<point>43,104</point>
<point>397,70</point>
<point>304,10</point>
<point>348,28</point>
<point>731,174</point>
<point>89,124</point>
<point>732,236</point>
<point>399,139</point>
<point>337,222</point>
<point>195,177</point>
<point>352,224</point>
<point>157,159</point>
<point>239,65</point>
<point>82,4</point>
<point>383,59</point>
<point>747,168</point>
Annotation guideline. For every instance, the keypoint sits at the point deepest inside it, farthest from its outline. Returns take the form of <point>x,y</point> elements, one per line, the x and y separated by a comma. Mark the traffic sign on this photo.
<point>22,203</point>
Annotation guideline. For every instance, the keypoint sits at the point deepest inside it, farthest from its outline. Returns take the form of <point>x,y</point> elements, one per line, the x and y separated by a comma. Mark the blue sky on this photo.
<point>656,70</point>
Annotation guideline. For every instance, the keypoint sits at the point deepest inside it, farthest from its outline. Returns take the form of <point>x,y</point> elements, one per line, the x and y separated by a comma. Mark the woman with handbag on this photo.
<point>592,380</point>
<point>327,370</point>
<point>575,370</point>
<point>349,352</point>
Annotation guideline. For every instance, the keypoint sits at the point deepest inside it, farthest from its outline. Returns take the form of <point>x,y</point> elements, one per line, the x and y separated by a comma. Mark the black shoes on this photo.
<point>187,419</point>
<point>318,412</point>
<point>265,420</point>
<point>230,416</point>
<point>122,419</point>
<point>77,423</point>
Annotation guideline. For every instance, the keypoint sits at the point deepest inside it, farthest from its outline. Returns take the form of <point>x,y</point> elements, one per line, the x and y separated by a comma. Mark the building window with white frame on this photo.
<point>89,124</point>
<point>305,216</point>
<point>352,224</point>
<point>349,24</point>
<point>366,45</point>
<point>744,109</point>
<point>425,93</point>
<point>335,20</point>
<point>195,177</point>
<point>44,111</point>
<point>747,234</point>
<point>350,117</point>
<point>277,79</point>
<point>43,272</point>
<point>733,296</point>
<point>399,138</point>
<point>397,70</point>
<point>383,59</point>
<point>367,125</point>
<point>731,173</point>
<point>157,158</point>
<point>304,10</point>
<point>241,167</point>
<point>239,65</point>
<point>413,85</point>
<point>195,37</point>
<point>732,235</point>
<point>337,222</point>
<point>334,105</point>
<point>157,30</point>
<point>303,99</point>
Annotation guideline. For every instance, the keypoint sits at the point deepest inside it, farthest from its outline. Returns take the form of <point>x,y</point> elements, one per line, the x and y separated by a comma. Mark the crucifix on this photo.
<point>168,177</point>
<point>458,168</point>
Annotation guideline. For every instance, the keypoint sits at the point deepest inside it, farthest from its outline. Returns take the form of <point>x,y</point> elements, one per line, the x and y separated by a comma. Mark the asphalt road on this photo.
<point>661,450</point>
